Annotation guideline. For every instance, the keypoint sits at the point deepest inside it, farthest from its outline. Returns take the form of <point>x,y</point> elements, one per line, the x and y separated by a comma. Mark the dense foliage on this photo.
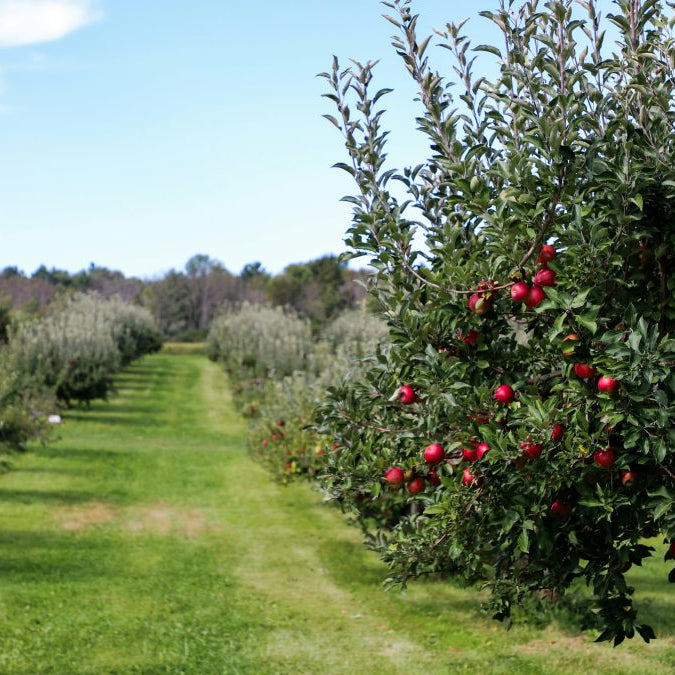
<point>76,349</point>
<point>24,406</point>
<point>526,276</point>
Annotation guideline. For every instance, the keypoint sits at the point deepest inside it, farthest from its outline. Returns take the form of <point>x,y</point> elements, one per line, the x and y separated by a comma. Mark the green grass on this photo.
<point>146,541</point>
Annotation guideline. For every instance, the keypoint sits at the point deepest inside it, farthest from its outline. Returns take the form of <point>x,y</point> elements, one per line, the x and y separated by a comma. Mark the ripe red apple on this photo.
<point>520,291</point>
<point>479,304</point>
<point>546,254</point>
<point>480,418</point>
<point>469,480</point>
<point>265,441</point>
<point>584,370</point>
<point>557,433</point>
<point>416,485</point>
<point>504,394</point>
<point>535,297</point>
<point>532,450</point>
<point>470,454</point>
<point>407,395</point>
<point>334,447</point>
<point>608,385</point>
<point>319,452</point>
<point>561,510</point>
<point>280,423</point>
<point>471,338</point>
<point>629,478</point>
<point>434,453</point>
<point>604,458</point>
<point>481,450</point>
<point>394,476</point>
<point>545,277</point>
<point>433,477</point>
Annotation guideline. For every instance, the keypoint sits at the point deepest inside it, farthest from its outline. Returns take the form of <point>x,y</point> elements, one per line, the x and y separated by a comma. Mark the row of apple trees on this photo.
<point>70,355</point>
<point>280,369</point>
<point>527,403</point>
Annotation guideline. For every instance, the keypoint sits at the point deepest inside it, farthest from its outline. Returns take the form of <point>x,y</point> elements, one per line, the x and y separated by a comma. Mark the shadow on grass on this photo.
<point>343,557</point>
<point>44,496</point>
<point>50,472</point>
<point>29,556</point>
<point>123,419</point>
<point>84,454</point>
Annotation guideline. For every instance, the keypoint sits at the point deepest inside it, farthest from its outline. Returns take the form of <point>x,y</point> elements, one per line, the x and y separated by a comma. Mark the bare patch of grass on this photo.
<point>76,518</point>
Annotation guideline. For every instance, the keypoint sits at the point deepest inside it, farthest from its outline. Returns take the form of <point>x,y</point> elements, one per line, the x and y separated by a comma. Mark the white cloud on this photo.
<point>24,22</point>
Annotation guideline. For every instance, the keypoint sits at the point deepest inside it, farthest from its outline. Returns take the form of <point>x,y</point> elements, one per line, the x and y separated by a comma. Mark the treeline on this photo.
<point>184,302</point>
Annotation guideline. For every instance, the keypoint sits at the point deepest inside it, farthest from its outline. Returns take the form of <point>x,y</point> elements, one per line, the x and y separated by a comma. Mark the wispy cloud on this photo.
<point>25,22</point>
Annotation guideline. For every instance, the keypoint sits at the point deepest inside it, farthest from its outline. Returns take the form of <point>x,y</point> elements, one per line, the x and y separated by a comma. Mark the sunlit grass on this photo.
<point>146,540</point>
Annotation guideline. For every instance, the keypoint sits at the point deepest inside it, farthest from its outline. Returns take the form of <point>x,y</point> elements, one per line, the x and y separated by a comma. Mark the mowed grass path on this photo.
<point>146,541</point>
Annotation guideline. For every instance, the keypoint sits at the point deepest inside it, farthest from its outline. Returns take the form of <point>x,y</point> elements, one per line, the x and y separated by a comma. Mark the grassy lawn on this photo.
<point>146,541</point>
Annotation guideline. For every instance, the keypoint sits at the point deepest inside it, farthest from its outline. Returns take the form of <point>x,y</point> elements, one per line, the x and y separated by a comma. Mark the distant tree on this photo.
<point>208,283</point>
<point>316,289</point>
<point>11,272</point>
<point>254,270</point>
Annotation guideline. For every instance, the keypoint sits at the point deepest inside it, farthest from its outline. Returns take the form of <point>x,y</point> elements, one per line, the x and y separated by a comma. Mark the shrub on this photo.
<point>553,184</point>
<point>78,348</point>
<point>24,407</point>
<point>258,341</point>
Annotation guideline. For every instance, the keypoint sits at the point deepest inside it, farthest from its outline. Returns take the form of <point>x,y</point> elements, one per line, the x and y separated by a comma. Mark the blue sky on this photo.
<point>135,133</point>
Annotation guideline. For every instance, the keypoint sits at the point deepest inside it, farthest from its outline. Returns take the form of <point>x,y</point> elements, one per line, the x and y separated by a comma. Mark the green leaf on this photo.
<point>524,541</point>
<point>588,323</point>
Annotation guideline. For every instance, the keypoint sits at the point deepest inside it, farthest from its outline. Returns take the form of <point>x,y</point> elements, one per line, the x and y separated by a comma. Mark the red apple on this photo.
<point>604,458</point>
<point>561,510</point>
<point>584,370</point>
<point>433,478</point>
<point>557,433</point>
<point>520,291</point>
<point>471,338</point>
<point>532,450</point>
<point>334,447</point>
<point>407,395</point>
<point>319,452</point>
<point>479,304</point>
<point>434,453</point>
<point>625,567</point>
<point>608,385</point>
<point>265,441</point>
<point>504,394</point>
<point>535,297</point>
<point>671,550</point>
<point>394,476</point>
<point>469,480</point>
<point>481,450</point>
<point>275,437</point>
<point>280,423</point>
<point>546,254</point>
<point>416,485</point>
<point>629,478</point>
<point>545,277</point>
<point>470,454</point>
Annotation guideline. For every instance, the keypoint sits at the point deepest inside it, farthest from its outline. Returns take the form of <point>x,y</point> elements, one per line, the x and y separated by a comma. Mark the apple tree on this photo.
<point>526,406</point>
